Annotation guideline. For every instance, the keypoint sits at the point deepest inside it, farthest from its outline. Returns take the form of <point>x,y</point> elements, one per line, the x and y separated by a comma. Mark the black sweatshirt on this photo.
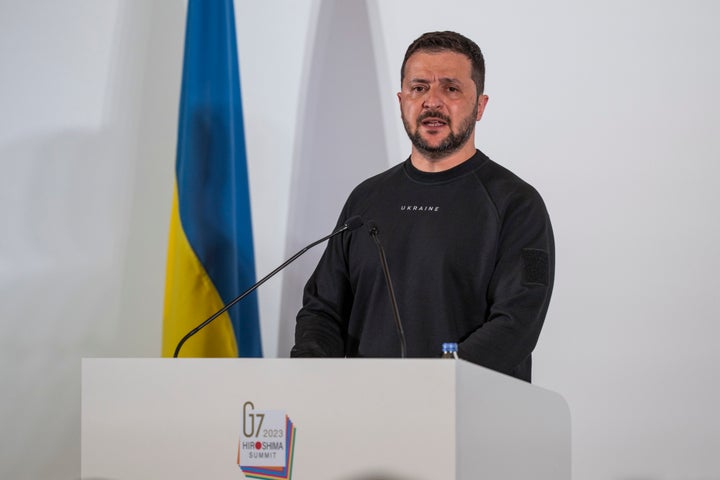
<point>471,256</point>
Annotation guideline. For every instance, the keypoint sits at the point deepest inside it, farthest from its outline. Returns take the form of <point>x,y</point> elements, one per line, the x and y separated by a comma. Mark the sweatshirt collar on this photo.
<point>457,171</point>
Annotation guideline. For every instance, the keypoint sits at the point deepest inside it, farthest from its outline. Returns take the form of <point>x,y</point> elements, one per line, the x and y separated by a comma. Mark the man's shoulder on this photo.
<point>503,185</point>
<point>371,184</point>
<point>501,180</point>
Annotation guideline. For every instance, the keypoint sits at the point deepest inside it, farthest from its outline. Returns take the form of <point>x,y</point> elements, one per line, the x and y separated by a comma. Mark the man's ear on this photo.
<point>482,103</point>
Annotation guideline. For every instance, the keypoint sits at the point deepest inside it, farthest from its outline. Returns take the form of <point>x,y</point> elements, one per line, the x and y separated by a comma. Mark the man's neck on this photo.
<point>434,165</point>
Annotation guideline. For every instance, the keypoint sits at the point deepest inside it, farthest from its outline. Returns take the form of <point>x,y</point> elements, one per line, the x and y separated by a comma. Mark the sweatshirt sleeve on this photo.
<point>520,287</point>
<point>321,325</point>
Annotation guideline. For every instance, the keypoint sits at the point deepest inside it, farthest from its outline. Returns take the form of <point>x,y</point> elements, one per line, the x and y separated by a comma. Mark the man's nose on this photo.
<point>432,100</point>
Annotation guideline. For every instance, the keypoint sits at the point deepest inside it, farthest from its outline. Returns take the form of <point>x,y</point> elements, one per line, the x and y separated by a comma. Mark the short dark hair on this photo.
<point>454,42</point>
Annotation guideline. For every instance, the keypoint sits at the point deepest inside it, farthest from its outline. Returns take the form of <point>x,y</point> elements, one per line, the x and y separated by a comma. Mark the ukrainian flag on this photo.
<point>210,251</point>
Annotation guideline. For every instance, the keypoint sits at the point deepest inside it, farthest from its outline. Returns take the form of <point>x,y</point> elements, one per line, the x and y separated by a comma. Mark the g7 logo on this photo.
<point>249,420</point>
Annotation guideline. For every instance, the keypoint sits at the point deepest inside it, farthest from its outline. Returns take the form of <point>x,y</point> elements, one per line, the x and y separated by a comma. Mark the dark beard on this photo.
<point>452,143</point>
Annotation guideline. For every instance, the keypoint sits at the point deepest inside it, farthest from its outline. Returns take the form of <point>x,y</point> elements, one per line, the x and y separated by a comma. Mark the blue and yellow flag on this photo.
<point>210,251</point>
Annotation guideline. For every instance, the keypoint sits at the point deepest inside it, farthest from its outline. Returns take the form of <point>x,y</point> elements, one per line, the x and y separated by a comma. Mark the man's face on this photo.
<point>439,102</point>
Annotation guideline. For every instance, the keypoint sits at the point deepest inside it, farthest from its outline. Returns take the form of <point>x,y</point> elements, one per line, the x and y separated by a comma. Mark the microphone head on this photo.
<point>353,222</point>
<point>372,228</point>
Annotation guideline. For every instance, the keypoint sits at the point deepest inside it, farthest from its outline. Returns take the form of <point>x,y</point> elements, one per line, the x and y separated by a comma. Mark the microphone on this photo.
<point>350,224</point>
<point>373,230</point>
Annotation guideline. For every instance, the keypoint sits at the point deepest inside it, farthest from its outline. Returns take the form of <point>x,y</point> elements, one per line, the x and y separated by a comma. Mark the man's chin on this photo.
<point>433,143</point>
<point>435,153</point>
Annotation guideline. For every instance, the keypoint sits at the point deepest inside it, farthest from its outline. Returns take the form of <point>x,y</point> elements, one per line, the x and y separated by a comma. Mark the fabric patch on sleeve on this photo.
<point>535,266</point>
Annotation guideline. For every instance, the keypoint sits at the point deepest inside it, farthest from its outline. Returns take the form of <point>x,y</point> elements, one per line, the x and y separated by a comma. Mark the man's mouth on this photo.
<point>433,123</point>
<point>433,120</point>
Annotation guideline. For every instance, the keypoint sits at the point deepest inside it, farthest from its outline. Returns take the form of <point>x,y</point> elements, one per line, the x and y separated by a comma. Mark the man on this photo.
<point>469,244</point>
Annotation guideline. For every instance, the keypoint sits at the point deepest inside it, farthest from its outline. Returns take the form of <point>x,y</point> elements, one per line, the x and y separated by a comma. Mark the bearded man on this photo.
<point>469,245</point>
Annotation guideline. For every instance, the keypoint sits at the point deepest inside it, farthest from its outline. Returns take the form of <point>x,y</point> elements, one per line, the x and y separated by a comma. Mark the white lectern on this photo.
<point>350,419</point>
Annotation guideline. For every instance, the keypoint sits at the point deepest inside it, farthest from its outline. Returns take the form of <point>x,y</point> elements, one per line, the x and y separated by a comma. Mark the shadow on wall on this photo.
<point>81,249</point>
<point>63,203</point>
<point>330,159</point>
<point>61,196</point>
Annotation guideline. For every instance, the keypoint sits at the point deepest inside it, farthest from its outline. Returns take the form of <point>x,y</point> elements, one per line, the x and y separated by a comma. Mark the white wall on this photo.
<point>608,108</point>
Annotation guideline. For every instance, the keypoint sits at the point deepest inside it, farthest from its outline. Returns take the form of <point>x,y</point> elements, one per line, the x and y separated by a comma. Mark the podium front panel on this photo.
<point>355,419</point>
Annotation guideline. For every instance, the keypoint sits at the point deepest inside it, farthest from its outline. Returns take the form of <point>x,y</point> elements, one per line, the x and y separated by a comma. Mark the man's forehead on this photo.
<point>443,63</point>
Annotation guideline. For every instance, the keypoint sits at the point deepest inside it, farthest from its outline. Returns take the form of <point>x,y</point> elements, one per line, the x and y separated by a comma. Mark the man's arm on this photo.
<point>520,289</point>
<point>321,326</point>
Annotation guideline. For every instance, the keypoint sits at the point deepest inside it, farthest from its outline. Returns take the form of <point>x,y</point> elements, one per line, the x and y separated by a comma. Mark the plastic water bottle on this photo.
<point>449,350</point>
